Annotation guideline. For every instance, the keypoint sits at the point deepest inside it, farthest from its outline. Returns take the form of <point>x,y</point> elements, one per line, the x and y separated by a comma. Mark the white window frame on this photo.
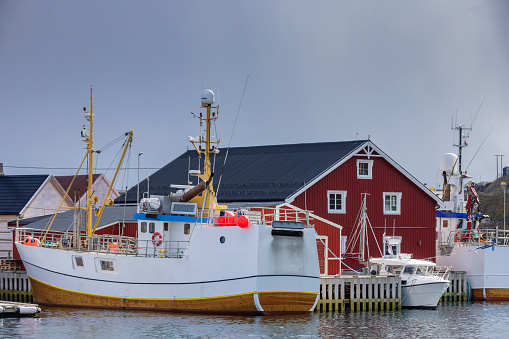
<point>398,202</point>
<point>342,210</point>
<point>370,169</point>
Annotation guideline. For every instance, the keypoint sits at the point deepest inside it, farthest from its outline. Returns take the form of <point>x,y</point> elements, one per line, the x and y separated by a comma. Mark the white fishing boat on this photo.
<point>461,241</point>
<point>190,254</point>
<point>422,283</point>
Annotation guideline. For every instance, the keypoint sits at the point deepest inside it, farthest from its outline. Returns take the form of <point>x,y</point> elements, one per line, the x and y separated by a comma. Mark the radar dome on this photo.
<point>449,163</point>
<point>207,97</point>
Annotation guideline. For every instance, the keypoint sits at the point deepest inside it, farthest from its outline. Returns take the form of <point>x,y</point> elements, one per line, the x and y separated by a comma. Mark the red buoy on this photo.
<point>243,221</point>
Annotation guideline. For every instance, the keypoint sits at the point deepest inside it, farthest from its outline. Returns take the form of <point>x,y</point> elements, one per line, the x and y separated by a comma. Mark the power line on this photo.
<point>75,168</point>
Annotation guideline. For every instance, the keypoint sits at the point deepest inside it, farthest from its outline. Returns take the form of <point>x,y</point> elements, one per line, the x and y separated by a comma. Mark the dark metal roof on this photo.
<point>252,174</point>
<point>64,221</point>
<point>79,186</point>
<point>17,190</point>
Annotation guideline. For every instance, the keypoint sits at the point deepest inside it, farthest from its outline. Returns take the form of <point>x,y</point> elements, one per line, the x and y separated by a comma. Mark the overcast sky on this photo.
<point>396,71</point>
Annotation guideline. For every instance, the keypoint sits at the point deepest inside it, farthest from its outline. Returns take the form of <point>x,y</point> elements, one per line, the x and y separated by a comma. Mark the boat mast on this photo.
<point>209,200</point>
<point>89,140</point>
<point>363,232</point>
<point>461,143</point>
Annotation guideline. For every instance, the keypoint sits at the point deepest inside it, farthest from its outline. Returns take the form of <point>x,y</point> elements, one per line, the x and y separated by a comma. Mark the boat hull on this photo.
<point>424,295</point>
<point>252,272</point>
<point>487,273</point>
<point>266,303</point>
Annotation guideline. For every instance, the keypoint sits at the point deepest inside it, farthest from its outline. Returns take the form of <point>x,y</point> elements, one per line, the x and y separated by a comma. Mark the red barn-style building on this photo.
<point>329,180</point>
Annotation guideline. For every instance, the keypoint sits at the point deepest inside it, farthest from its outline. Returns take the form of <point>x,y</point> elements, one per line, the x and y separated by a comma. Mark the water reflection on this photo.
<point>451,320</point>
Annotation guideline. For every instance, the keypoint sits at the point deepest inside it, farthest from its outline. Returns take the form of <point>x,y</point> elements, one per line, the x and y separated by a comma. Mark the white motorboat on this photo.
<point>190,254</point>
<point>422,284</point>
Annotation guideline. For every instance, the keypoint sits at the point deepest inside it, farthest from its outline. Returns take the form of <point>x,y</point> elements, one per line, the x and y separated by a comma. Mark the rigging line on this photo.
<point>126,173</point>
<point>472,124</point>
<point>115,158</point>
<point>335,256</point>
<point>374,237</point>
<point>231,137</point>
<point>479,148</point>
<point>353,239</point>
<point>111,143</point>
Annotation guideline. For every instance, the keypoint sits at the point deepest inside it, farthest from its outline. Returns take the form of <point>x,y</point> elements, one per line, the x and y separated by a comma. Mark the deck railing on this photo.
<point>496,236</point>
<point>123,245</point>
<point>105,244</point>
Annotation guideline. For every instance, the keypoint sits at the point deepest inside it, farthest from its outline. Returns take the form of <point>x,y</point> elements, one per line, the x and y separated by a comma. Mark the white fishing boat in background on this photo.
<point>461,241</point>
<point>190,255</point>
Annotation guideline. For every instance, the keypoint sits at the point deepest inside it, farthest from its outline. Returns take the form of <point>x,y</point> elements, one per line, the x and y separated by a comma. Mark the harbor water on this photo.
<point>449,320</point>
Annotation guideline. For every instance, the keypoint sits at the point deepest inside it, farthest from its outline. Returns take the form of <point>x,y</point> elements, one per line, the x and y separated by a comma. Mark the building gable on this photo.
<point>46,200</point>
<point>369,151</point>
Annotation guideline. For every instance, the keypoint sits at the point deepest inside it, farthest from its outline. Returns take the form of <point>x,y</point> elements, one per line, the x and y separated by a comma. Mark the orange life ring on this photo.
<point>457,237</point>
<point>157,239</point>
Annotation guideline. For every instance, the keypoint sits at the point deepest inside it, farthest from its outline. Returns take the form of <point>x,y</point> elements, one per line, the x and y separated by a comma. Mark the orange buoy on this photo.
<point>27,241</point>
<point>226,218</point>
<point>243,221</point>
<point>112,247</point>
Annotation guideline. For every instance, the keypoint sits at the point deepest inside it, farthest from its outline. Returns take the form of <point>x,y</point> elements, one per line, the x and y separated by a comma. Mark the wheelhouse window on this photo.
<point>187,228</point>
<point>151,227</point>
<point>392,203</point>
<point>364,169</point>
<point>336,201</point>
<point>143,227</point>
<point>107,265</point>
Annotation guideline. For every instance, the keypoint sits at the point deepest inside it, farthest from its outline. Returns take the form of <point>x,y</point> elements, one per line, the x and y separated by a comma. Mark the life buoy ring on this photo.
<point>457,237</point>
<point>157,239</point>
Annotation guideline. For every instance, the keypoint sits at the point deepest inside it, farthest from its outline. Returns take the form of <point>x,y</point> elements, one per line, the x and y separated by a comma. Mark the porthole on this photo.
<point>222,239</point>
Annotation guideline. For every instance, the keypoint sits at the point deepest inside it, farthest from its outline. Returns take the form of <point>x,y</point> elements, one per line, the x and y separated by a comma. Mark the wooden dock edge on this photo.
<point>374,293</point>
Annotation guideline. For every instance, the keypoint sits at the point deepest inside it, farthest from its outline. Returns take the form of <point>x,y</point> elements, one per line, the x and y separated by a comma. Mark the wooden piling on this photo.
<point>15,286</point>
<point>458,289</point>
<point>359,293</point>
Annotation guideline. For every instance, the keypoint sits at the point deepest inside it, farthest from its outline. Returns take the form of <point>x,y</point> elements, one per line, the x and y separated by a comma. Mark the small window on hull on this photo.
<point>151,227</point>
<point>107,265</point>
<point>78,261</point>
<point>187,228</point>
<point>143,227</point>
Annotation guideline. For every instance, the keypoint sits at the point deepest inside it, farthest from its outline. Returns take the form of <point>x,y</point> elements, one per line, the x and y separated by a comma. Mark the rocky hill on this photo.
<point>492,202</point>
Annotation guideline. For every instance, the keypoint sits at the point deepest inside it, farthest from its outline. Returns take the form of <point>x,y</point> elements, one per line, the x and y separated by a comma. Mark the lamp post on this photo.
<point>138,194</point>
<point>503,184</point>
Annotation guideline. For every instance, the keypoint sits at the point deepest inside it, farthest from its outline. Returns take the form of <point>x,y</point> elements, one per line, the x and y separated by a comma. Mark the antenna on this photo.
<point>477,112</point>
<point>231,136</point>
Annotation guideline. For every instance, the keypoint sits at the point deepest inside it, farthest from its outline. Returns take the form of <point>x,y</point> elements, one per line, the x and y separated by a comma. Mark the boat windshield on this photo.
<point>418,270</point>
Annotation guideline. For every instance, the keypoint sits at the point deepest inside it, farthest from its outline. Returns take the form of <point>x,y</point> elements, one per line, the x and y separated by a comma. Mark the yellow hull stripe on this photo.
<point>182,299</point>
